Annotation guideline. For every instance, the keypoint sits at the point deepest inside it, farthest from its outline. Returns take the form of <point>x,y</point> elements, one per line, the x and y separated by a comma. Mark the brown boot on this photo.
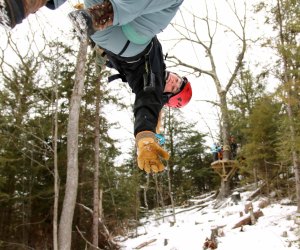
<point>12,12</point>
<point>98,17</point>
<point>102,15</point>
<point>32,6</point>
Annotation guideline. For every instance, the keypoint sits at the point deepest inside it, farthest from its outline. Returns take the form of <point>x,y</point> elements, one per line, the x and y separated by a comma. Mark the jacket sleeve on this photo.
<point>146,110</point>
<point>148,105</point>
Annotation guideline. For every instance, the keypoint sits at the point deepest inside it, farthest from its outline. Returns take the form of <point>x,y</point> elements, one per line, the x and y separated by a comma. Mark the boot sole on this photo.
<point>79,23</point>
<point>4,18</point>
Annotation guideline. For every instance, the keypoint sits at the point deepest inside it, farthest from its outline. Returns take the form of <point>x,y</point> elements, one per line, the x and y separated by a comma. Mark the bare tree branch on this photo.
<point>89,243</point>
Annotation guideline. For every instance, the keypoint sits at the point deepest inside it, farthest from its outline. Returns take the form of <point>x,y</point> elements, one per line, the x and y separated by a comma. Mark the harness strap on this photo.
<point>137,58</point>
<point>117,76</point>
<point>124,48</point>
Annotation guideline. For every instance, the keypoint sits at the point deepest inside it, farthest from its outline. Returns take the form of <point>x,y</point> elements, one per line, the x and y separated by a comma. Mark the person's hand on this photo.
<point>150,153</point>
<point>79,6</point>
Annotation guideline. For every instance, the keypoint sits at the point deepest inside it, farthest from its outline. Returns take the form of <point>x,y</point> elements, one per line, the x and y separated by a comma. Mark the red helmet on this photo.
<point>182,98</point>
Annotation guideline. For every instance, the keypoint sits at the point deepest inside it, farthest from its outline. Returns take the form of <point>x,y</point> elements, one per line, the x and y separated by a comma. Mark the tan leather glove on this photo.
<point>149,152</point>
<point>79,6</point>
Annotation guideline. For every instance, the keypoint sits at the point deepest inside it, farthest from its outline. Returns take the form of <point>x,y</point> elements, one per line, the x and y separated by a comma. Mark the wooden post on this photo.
<point>225,168</point>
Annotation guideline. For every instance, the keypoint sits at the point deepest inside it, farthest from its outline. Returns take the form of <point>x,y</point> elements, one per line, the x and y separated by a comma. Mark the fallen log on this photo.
<point>145,244</point>
<point>247,220</point>
<point>184,210</point>
<point>257,192</point>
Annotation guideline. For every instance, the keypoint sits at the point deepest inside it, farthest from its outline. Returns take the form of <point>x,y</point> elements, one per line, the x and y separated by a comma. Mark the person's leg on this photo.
<point>126,11</point>
<point>215,156</point>
<point>143,28</point>
<point>101,14</point>
<point>97,17</point>
<point>13,12</point>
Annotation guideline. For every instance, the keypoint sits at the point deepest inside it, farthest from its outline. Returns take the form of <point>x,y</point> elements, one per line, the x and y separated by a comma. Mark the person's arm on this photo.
<point>147,108</point>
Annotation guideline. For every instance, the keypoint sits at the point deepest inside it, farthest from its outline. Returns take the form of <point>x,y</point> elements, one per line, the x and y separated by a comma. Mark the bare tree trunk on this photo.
<point>222,89</point>
<point>225,184</point>
<point>160,128</point>
<point>101,215</point>
<point>287,79</point>
<point>297,177</point>
<point>110,241</point>
<point>255,176</point>
<point>295,156</point>
<point>56,175</point>
<point>66,219</point>
<point>159,192</point>
<point>96,170</point>
<point>225,125</point>
<point>171,195</point>
<point>224,189</point>
<point>146,187</point>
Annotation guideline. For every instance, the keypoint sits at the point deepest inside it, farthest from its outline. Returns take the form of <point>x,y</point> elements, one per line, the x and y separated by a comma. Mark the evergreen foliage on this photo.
<point>260,123</point>
<point>189,165</point>
<point>285,21</point>
<point>26,166</point>
<point>248,89</point>
<point>260,149</point>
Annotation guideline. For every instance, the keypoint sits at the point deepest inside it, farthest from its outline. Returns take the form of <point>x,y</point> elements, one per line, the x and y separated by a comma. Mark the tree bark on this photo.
<point>221,88</point>
<point>96,170</point>
<point>224,189</point>
<point>146,187</point>
<point>101,215</point>
<point>56,175</point>
<point>66,219</point>
<point>171,195</point>
<point>286,77</point>
<point>247,220</point>
<point>110,241</point>
<point>145,244</point>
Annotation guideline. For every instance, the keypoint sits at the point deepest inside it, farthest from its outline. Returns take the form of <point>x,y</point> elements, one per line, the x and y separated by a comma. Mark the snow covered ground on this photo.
<point>275,230</point>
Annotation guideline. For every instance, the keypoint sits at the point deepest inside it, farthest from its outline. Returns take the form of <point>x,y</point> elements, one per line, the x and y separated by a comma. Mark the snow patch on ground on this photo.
<point>275,230</point>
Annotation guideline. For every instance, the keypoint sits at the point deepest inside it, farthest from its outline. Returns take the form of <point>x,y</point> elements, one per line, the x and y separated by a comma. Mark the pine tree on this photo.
<point>25,155</point>
<point>248,89</point>
<point>285,22</point>
<point>189,165</point>
<point>260,149</point>
<point>26,167</point>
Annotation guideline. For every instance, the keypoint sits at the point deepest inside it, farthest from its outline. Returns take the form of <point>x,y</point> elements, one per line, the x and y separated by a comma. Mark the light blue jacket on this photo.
<point>135,20</point>
<point>58,3</point>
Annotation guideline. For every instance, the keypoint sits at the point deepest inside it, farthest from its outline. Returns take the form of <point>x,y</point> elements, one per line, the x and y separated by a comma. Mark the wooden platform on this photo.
<point>225,168</point>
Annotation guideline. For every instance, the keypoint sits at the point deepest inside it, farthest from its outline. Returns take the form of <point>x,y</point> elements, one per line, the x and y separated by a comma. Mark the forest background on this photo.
<point>38,66</point>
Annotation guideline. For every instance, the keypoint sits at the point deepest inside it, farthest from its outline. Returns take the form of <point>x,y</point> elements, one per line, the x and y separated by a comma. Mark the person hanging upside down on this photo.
<point>126,30</point>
